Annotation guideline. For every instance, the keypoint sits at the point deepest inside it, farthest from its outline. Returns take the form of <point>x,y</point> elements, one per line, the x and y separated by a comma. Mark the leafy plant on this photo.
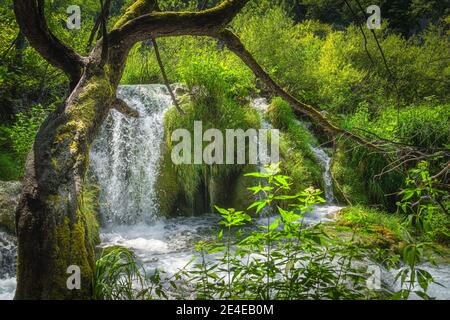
<point>283,258</point>
<point>425,204</point>
<point>116,274</point>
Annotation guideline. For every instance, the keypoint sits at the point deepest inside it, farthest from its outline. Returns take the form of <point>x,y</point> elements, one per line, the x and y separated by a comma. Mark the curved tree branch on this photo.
<point>235,45</point>
<point>157,24</point>
<point>31,19</point>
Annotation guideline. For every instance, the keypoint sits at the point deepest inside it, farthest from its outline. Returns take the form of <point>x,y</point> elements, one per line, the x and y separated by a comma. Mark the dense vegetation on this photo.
<point>390,86</point>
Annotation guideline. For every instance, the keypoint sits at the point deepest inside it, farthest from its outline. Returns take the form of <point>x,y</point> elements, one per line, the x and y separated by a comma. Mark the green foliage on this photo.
<point>116,271</point>
<point>197,62</point>
<point>8,167</point>
<point>427,207</point>
<point>331,69</point>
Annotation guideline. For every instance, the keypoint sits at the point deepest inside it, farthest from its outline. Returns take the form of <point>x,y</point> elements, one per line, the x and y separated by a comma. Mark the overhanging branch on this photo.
<point>31,19</point>
<point>235,45</point>
<point>159,24</point>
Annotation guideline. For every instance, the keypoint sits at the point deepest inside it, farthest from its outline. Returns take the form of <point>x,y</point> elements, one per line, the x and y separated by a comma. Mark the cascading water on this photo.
<point>8,254</point>
<point>325,160</point>
<point>126,155</point>
<point>125,161</point>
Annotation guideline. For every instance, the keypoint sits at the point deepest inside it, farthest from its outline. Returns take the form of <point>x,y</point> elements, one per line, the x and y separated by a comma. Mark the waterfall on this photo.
<point>325,161</point>
<point>124,160</point>
<point>125,157</point>
<point>261,105</point>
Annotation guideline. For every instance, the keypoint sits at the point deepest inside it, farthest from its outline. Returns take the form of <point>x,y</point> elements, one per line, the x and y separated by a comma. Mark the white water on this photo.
<point>8,252</point>
<point>125,160</point>
<point>126,155</point>
<point>325,161</point>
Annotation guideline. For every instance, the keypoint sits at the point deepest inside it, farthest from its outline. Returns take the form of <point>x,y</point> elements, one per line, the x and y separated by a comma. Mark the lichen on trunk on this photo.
<point>56,226</point>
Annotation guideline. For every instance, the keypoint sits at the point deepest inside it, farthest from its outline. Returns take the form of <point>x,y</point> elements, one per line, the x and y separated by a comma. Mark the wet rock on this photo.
<point>9,198</point>
<point>8,255</point>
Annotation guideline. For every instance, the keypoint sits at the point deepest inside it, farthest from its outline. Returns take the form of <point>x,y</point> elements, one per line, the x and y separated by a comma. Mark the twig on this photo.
<point>166,79</point>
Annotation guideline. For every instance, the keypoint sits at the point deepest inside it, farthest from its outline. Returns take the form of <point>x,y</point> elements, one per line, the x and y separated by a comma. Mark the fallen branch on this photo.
<point>235,45</point>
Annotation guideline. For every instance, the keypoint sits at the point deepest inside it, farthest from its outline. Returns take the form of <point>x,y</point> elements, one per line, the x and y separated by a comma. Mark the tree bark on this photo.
<point>54,230</point>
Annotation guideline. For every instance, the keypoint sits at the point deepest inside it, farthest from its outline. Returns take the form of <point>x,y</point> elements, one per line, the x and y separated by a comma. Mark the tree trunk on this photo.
<point>54,230</point>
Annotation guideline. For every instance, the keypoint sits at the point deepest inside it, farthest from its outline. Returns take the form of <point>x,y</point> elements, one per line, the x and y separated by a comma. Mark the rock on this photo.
<point>8,255</point>
<point>9,198</point>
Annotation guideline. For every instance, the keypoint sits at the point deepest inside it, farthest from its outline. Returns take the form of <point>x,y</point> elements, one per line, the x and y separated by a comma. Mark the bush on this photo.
<point>23,131</point>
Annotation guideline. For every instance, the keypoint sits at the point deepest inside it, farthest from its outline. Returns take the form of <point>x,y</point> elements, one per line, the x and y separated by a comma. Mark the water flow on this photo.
<point>325,161</point>
<point>261,106</point>
<point>125,157</point>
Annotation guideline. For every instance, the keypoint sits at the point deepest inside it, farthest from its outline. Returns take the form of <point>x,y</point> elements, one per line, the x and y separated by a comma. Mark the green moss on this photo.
<point>82,114</point>
<point>195,189</point>
<point>138,8</point>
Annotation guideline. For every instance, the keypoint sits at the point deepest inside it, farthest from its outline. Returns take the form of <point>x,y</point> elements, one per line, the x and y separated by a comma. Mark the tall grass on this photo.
<point>118,275</point>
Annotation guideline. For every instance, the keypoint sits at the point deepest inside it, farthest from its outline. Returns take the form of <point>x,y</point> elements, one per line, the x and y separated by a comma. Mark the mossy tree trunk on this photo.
<point>53,230</point>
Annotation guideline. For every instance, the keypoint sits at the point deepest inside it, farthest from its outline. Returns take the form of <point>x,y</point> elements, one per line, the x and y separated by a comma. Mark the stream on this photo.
<point>125,161</point>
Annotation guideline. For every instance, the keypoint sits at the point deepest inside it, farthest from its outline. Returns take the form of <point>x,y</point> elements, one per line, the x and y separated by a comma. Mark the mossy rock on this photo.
<point>193,189</point>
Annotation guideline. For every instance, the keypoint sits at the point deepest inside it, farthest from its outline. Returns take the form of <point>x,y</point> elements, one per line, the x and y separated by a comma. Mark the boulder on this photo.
<point>9,198</point>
